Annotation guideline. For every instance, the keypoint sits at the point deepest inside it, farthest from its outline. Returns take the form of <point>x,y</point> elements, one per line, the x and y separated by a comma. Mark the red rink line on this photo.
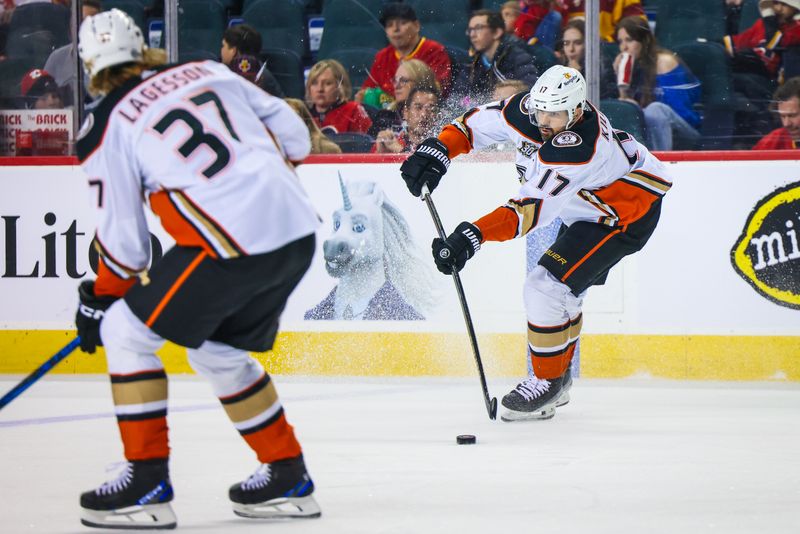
<point>712,155</point>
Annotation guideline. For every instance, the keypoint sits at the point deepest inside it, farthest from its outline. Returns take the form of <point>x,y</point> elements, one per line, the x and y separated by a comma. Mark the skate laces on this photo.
<point>259,479</point>
<point>123,478</point>
<point>532,387</point>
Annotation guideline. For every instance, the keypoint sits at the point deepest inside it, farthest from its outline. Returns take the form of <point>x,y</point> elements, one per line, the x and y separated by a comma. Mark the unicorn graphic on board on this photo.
<point>372,253</point>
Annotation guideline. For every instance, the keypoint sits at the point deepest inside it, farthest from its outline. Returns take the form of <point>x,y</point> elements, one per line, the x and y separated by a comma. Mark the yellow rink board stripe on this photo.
<point>426,354</point>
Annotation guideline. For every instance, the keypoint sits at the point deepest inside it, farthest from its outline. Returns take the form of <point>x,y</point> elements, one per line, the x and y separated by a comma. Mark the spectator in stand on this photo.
<point>63,64</point>
<point>787,99</point>
<point>756,58</point>
<point>320,144</point>
<point>245,66</point>
<point>497,57</point>
<point>509,88</point>
<point>420,116</point>
<point>660,83</point>
<point>328,91</point>
<point>534,21</point>
<point>757,49</point>
<point>611,12</point>
<point>40,91</point>
<point>571,51</point>
<point>410,73</point>
<point>244,39</point>
<point>403,32</point>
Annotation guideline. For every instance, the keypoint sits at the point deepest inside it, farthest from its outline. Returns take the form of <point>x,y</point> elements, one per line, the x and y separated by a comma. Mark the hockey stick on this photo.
<point>491,402</point>
<point>39,372</point>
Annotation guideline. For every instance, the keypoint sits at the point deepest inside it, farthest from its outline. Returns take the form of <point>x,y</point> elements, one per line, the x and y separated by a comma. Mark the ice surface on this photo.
<point>629,456</point>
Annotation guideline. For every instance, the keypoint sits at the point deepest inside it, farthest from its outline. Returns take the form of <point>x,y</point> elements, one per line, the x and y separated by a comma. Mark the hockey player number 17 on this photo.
<point>199,135</point>
<point>562,182</point>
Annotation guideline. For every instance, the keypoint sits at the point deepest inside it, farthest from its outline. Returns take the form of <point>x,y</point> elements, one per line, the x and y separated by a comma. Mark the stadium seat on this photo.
<point>543,57</point>
<point>444,21</point>
<point>34,47</point>
<point>625,116</point>
<point>201,24</point>
<point>287,68</point>
<point>352,142</point>
<point>282,24</point>
<point>41,16</point>
<point>11,73</point>
<point>682,21</point>
<point>709,62</point>
<point>494,5</point>
<point>356,61</point>
<point>351,24</point>
<point>134,8</point>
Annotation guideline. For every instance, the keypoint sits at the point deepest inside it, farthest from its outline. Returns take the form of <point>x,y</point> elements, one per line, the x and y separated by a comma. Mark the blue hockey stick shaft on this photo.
<point>39,372</point>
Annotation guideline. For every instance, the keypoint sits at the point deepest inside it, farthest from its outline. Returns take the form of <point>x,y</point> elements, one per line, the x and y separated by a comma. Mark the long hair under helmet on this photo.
<point>560,88</point>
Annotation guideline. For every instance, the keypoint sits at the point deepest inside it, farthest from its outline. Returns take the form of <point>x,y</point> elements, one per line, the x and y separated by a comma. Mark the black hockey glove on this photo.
<point>452,253</point>
<point>426,165</point>
<point>90,313</point>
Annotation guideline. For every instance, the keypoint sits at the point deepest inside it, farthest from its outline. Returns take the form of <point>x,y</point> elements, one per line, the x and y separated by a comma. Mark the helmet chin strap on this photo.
<point>574,117</point>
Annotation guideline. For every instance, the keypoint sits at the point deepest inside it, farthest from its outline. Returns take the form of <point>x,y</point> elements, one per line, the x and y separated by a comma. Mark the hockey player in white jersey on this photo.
<point>601,182</point>
<point>212,155</point>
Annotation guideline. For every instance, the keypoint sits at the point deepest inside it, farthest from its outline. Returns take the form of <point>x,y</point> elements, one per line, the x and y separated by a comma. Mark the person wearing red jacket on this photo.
<point>328,91</point>
<point>757,49</point>
<point>788,106</point>
<point>403,32</point>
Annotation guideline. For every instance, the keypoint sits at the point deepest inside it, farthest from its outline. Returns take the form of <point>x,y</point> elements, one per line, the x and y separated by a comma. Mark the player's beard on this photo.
<point>547,133</point>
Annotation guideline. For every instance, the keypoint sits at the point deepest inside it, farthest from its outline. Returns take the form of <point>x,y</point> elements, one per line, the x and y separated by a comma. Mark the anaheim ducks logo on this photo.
<point>767,254</point>
<point>523,104</point>
<point>567,139</point>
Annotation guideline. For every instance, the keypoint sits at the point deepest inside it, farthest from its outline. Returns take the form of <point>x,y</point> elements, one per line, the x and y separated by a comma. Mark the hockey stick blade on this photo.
<point>39,372</point>
<point>491,402</point>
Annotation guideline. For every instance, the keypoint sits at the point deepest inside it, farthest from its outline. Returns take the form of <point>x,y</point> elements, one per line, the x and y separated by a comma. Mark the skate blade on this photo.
<point>563,399</point>
<point>512,416</point>
<point>282,508</point>
<point>147,517</point>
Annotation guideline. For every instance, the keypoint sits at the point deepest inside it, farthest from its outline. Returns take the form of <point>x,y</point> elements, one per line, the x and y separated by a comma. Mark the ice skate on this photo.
<point>137,499</point>
<point>275,491</point>
<point>536,398</point>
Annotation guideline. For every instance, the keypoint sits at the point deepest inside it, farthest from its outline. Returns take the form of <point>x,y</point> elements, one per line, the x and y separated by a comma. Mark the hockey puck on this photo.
<point>465,439</point>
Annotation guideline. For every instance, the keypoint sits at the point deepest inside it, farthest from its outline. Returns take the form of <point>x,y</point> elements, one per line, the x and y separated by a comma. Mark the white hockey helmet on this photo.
<point>107,39</point>
<point>560,88</point>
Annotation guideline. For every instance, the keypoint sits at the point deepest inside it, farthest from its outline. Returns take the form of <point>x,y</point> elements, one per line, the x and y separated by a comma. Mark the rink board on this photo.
<point>679,309</point>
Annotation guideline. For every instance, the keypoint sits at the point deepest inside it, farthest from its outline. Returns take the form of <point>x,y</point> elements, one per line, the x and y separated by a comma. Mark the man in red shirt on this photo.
<point>402,30</point>
<point>788,101</point>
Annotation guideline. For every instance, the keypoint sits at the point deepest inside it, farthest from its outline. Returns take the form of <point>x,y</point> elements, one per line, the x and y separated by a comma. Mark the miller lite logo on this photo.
<point>767,253</point>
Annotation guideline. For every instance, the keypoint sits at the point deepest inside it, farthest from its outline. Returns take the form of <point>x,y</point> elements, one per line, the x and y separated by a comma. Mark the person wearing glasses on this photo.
<point>411,74</point>
<point>420,117</point>
<point>497,57</point>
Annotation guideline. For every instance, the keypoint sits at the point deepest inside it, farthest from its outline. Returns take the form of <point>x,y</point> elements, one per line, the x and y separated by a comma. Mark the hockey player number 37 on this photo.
<point>199,135</point>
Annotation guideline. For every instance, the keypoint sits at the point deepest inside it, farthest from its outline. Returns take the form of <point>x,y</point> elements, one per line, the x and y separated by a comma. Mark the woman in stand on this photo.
<point>660,83</point>
<point>328,92</point>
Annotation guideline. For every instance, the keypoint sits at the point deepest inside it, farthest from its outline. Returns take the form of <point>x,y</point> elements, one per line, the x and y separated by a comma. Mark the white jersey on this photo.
<point>590,172</point>
<point>211,154</point>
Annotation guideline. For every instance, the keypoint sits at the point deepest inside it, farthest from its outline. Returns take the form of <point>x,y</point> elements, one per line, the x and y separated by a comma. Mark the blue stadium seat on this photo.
<point>682,21</point>
<point>352,142</point>
<point>356,61</point>
<point>444,21</point>
<point>710,63</point>
<point>287,68</point>
<point>282,24</point>
<point>351,24</point>
<point>625,116</point>
<point>201,24</point>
